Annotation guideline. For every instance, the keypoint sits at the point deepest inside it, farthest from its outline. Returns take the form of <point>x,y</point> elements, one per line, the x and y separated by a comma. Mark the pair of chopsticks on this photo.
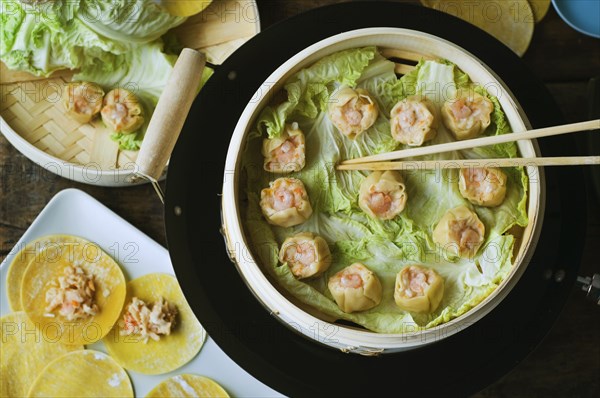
<point>385,161</point>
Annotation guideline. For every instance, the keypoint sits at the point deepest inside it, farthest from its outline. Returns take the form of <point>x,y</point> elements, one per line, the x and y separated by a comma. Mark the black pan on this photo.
<point>458,365</point>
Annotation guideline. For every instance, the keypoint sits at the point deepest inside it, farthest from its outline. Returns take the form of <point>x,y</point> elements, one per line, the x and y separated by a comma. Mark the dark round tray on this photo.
<point>292,364</point>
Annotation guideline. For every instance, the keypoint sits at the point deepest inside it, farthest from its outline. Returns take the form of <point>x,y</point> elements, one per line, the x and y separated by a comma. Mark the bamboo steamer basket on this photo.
<point>308,321</point>
<point>33,120</point>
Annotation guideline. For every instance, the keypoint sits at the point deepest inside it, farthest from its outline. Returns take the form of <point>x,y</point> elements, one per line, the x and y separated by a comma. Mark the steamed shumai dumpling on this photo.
<point>383,194</point>
<point>355,288</point>
<point>418,289</point>
<point>460,232</point>
<point>467,115</point>
<point>414,121</point>
<point>83,100</point>
<point>122,111</point>
<point>285,203</point>
<point>352,111</point>
<point>483,186</point>
<point>285,154</point>
<point>306,254</point>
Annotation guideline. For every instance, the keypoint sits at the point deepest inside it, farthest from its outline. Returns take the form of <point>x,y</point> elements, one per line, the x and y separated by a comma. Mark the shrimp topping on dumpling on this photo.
<point>467,115</point>
<point>122,111</point>
<point>355,288</point>
<point>414,121</point>
<point>285,203</point>
<point>72,295</point>
<point>83,100</point>
<point>285,154</point>
<point>352,111</point>
<point>460,232</point>
<point>485,186</point>
<point>418,289</point>
<point>383,194</point>
<point>306,254</point>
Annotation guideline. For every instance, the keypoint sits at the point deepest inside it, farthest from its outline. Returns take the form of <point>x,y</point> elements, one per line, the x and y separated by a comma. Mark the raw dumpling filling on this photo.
<point>148,323</point>
<point>72,294</point>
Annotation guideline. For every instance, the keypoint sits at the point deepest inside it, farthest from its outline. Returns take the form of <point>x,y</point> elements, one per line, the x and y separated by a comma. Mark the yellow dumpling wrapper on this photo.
<point>418,289</point>
<point>185,8</point>
<point>23,258</point>
<point>540,8</point>
<point>459,232</point>
<point>188,386</point>
<point>81,374</point>
<point>49,265</point>
<point>171,351</point>
<point>24,352</point>
<point>511,22</point>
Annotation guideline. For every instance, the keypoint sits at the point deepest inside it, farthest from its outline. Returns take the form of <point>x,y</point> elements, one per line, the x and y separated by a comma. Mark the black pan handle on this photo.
<point>590,285</point>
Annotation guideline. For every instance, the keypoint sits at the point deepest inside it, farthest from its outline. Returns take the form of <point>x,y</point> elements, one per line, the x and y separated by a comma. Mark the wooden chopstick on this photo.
<point>414,165</point>
<point>399,57</point>
<point>477,142</point>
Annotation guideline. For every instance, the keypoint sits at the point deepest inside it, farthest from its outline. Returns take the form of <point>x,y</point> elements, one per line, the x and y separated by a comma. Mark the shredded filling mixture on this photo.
<point>148,323</point>
<point>72,294</point>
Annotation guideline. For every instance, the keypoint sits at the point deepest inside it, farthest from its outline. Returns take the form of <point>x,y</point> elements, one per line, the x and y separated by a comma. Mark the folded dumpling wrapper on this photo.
<point>171,351</point>
<point>296,151</point>
<point>352,111</point>
<point>300,244</point>
<point>414,120</point>
<point>24,353</point>
<point>295,192</point>
<point>418,289</point>
<point>49,265</point>
<point>485,186</point>
<point>188,386</point>
<point>459,232</point>
<point>388,184</point>
<point>82,374</point>
<point>355,288</point>
<point>467,115</point>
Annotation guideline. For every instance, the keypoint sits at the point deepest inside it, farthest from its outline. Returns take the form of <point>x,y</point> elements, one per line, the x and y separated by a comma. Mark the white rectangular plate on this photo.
<point>73,212</point>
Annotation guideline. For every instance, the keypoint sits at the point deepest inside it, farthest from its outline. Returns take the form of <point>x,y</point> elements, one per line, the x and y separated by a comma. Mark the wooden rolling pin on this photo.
<point>170,114</point>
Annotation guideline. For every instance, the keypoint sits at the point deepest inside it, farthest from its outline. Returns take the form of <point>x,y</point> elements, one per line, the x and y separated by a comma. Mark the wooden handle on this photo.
<point>477,142</point>
<point>170,114</point>
<point>414,165</point>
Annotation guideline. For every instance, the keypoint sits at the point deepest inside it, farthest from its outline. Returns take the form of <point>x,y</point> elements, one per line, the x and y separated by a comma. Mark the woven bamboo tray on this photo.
<point>33,119</point>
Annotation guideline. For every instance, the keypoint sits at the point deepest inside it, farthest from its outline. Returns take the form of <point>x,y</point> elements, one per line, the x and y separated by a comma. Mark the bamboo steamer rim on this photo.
<point>91,172</point>
<point>348,339</point>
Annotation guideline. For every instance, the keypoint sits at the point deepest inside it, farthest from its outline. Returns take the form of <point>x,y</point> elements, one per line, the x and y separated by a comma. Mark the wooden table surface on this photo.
<point>567,362</point>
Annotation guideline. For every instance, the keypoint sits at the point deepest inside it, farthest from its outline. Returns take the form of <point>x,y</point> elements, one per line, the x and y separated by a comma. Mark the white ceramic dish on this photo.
<point>73,212</point>
<point>351,339</point>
